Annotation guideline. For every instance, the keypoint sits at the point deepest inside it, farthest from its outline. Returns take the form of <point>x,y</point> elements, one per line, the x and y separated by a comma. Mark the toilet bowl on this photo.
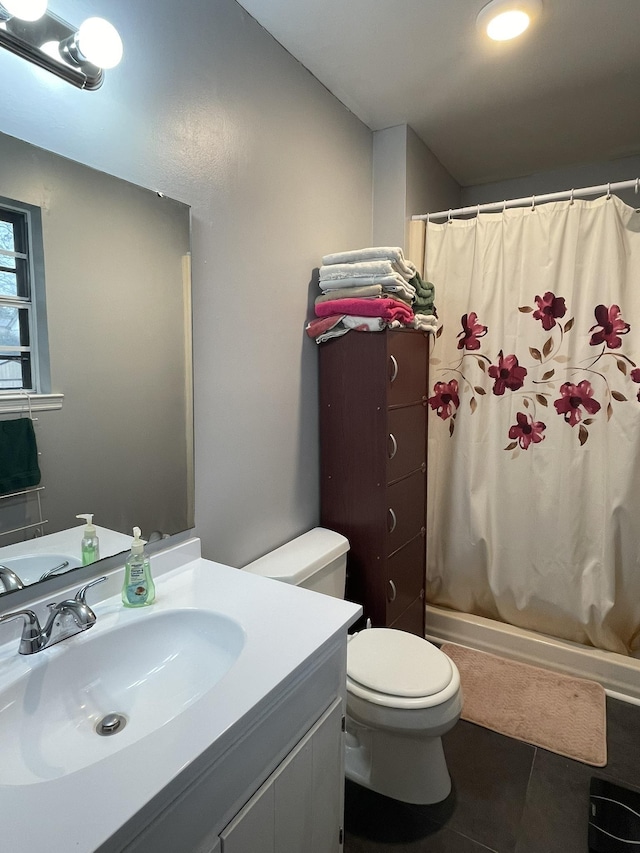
<point>403,693</point>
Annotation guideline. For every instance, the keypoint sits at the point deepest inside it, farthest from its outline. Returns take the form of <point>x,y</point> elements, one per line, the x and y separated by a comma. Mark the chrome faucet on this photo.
<point>9,580</point>
<point>67,618</point>
<point>53,571</point>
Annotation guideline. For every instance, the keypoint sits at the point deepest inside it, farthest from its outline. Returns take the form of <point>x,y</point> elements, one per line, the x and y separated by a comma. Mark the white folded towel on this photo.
<point>392,253</point>
<point>391,282</point>
<point>425,322</point>
<point>336,332</point>
<point>370,324</point>
<point>366,268</point>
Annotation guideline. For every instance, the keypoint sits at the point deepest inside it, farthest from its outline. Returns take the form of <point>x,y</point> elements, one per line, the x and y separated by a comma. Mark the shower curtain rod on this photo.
<point>634,183</point>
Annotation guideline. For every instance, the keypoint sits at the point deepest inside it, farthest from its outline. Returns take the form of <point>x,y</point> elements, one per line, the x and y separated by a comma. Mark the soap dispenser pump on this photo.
<point>138,588</point>
<point>90,547</point>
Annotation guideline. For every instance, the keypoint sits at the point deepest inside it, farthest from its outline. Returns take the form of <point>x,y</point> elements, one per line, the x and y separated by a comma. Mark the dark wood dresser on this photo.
<point>373,446</point>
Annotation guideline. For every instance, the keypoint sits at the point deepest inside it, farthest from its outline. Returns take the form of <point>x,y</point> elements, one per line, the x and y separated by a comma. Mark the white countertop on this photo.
<point>284,626</point>
<point>69,542</point>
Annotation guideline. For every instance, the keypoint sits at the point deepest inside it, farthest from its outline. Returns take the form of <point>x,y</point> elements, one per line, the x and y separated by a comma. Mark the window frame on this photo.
<point>35,303</point>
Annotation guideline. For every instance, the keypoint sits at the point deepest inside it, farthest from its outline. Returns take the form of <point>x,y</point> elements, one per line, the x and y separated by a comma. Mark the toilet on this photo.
<point>403,693</point>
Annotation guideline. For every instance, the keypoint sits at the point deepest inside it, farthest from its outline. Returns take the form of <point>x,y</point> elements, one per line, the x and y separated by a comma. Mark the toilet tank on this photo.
<point>317,560</point>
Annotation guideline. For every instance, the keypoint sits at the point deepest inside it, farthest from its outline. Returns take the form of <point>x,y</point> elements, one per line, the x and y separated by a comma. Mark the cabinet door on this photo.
<point>407,357</point>
<point>300,806</point>
<point>412,620</point>
<point>405,577</point>
<point>405,510</point>
<point>253,827</point>
<point>406,442</point>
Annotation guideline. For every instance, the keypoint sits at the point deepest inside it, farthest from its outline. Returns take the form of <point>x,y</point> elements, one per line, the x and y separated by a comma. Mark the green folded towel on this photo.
<point>425,295</point>
<point>19,467</point>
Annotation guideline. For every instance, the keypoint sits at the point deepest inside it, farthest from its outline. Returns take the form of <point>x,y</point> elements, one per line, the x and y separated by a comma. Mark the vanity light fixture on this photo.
<point>26,10</point>
<point>78,55</point>
<point>502,20</point>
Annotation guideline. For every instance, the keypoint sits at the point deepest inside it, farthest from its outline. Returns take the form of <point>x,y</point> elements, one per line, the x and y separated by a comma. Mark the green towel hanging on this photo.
<point>19,467</point>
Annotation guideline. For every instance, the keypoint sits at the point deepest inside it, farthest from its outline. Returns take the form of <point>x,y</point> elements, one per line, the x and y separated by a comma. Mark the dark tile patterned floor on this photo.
<point>507,797</point>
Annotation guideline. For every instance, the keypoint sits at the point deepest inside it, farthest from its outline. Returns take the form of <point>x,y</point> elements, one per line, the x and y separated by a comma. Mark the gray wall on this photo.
<point>588,175</point>
<point>208,108</point>
<point>389,185</point>
<point>429,185</point>
<point>407,179</point>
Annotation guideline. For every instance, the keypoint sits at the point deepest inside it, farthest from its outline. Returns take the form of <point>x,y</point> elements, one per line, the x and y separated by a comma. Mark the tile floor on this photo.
<point>507,797</point>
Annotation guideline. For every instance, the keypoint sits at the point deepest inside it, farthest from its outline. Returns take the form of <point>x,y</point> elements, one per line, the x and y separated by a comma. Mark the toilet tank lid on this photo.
<point>299,559</point>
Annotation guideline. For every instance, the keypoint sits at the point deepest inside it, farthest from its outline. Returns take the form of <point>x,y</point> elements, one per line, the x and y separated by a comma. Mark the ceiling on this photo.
<point>564,93</point>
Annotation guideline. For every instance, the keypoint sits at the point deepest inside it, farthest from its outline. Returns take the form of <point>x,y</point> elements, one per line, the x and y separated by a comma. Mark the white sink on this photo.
<point>203,677</point>
<point>147,667</point>
<point>31,567</point>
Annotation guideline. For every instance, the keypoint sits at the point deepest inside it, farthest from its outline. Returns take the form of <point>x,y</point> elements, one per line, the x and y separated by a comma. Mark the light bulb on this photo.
<point>502,20</point>
<point>99,43</point>
<point>508,25</point>
<point>25,10</point>
<point>51,48</point>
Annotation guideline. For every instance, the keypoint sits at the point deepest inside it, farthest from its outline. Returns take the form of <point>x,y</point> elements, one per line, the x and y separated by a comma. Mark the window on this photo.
<point>23,333</point>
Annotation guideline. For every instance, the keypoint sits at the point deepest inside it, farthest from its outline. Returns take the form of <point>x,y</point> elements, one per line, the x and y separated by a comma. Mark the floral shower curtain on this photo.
<point>534,430</point>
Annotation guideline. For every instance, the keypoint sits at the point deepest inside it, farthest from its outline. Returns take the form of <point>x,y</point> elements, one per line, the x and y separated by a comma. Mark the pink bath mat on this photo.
<point>556,712</point>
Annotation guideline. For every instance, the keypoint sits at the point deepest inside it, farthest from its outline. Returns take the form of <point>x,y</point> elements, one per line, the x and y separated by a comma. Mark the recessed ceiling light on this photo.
<point>505,19</point>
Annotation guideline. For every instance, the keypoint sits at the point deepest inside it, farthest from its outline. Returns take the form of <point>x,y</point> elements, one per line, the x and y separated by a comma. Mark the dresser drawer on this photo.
<point>406,445</point>
<point>407,357</point>
<point>406,512</point>
<point>412,620</point>
<point>405,577</point>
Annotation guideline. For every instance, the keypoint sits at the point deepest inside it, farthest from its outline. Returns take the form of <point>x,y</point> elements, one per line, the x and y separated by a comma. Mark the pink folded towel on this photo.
<point>319,327</point>
<point>389,309</point>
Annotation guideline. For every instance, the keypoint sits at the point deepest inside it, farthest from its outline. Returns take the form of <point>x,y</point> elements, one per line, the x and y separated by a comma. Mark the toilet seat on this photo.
<point>399,670</point>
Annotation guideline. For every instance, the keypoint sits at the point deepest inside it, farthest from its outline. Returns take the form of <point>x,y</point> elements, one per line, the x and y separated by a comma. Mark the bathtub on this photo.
<point>618,674</point>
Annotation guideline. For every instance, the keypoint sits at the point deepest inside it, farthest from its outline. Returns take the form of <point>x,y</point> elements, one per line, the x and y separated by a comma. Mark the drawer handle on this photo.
<point>394,368</point>
<point>392,591</point>
<point>394,520</point>
<point>394,445</point>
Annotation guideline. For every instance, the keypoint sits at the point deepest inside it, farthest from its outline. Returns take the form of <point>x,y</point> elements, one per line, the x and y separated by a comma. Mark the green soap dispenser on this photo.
<point>138,588</point>
<point>90,547</point>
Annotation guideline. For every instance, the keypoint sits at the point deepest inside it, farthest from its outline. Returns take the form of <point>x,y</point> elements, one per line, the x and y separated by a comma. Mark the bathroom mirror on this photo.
<point>118,443</point>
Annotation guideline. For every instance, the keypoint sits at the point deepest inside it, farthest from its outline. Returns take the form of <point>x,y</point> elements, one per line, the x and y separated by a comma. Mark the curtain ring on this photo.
<point>478,210</point>
<point>637,185</point>
<point>449,217</point>
<point>504,205</point>
<point>533,203</point>
<point>571,197</point>
<point>428,215</point>
<point>608,191</point>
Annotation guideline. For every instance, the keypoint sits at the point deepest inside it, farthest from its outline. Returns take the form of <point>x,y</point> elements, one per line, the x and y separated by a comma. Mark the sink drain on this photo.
<point>111,724</point>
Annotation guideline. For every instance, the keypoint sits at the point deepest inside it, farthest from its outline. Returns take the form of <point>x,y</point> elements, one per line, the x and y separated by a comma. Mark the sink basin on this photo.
<point>31,567</point>
<point>145,667</point>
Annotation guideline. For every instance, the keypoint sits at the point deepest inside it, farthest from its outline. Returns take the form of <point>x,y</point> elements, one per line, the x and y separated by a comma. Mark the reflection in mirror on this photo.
<point>100,361</point>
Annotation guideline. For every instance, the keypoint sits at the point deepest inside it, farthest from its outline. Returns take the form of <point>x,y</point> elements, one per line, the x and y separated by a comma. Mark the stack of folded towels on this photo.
<point>371,290</point>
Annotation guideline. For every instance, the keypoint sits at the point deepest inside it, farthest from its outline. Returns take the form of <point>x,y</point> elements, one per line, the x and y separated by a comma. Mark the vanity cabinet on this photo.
<point>277,785</point>
<point>373,442</point>
<point>299,807</point>
<point>240,750</point>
